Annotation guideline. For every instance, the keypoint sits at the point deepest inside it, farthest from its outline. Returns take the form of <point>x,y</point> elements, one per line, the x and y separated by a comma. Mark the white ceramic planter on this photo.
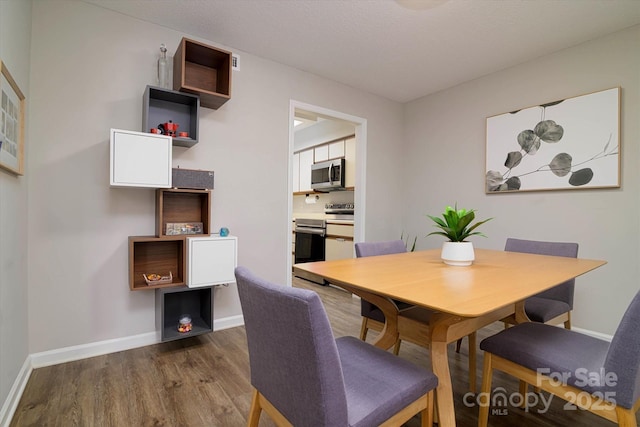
<point>458,253</point>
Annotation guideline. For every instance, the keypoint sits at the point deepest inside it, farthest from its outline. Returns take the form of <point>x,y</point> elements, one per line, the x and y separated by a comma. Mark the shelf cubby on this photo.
<point>176,205</point>
<point>150,254</point>
<point>160,106</point>
<point>203,70</point>
<point>172,303</point>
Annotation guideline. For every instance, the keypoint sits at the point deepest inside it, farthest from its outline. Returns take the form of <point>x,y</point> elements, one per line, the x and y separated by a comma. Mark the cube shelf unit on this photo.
<point>172,303</point>
<point>180,205</point>
<point>160,106</point>
<point>149,254</point>
<point>203,70</point>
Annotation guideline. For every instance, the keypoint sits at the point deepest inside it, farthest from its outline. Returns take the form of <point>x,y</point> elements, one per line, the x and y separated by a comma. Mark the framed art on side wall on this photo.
<point>11,124</point>
<point>566,144</point>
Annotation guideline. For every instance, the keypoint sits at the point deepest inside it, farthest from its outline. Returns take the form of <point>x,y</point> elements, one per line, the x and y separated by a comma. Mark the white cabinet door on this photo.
<point>306,160</point>
<point>321,153</point>
<point>296,173</point>
<point>211,260</point>
<point>336,150</point>
<point>350,162</point>
<point>139,159</point>
<point>338,248</point>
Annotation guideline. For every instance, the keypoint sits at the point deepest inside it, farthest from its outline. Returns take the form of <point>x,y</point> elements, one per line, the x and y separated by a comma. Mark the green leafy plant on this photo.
<point>456,224</point>
<point>413,246</point>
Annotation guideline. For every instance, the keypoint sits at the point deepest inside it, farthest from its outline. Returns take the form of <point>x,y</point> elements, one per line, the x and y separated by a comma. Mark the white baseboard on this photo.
<point>11,403</point>
<point>83,351</point>
<point>228,322</point>
<point>599,335</point>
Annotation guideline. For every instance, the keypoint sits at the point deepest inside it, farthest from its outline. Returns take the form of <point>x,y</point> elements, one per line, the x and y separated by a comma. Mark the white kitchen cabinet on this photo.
<point>336,149</point>
<point>339,241</point>
<point>296,172</point>
<point>306,160</point>
<point>321,153</point>
<point>138,159</point>
<point>338,248</point>
<point>211,260</point>
<point>350,162</point>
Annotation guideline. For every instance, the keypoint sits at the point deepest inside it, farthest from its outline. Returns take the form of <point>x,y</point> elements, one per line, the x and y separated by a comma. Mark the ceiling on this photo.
<point>398,49</point>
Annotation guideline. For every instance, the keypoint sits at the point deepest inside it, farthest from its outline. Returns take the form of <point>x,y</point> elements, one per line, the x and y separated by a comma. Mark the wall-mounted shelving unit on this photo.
<point>149,254</point>
<point>181,205</point>
<point>160,106</point>
<point>203,70</point>
<point>172,303</point>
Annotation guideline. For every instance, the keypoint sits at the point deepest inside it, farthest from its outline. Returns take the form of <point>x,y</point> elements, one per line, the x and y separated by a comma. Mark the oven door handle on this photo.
<point>310,230</point>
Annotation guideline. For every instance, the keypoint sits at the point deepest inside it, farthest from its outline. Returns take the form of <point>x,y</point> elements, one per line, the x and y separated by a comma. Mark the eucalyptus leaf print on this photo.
<point>555,145</point>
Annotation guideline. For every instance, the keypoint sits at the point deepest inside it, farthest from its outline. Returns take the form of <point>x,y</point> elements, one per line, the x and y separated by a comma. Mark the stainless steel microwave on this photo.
<point>328,176</point>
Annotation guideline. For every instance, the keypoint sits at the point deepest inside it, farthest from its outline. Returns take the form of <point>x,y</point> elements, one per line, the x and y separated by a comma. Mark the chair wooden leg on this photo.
<point>487,372</point>
<point>523,389</point>
<point>254,412</point>
<point>426,417</point>
<point>626,417</point>
<point>363,329</point>
<point>396,347</point>
<point>567,323</point>
<point>472,362</point>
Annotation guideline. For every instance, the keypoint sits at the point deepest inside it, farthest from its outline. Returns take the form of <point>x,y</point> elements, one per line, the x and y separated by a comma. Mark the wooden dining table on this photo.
<point>466,299</point>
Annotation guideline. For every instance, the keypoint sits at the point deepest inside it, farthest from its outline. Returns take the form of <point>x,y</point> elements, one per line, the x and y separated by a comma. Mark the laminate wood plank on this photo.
<point>204,381</point>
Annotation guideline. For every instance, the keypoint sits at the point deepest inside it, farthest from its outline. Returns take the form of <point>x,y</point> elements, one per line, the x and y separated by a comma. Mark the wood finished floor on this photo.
<point>204,381</point>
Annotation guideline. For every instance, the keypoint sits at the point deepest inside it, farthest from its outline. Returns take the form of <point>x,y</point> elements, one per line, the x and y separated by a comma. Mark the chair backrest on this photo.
<point>364,249</point>
<point>562,292</point>
<point>623,357</point>
<point>292,352</point>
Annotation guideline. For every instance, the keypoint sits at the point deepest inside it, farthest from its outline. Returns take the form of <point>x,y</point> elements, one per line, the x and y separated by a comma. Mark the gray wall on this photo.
<point>95,65</point>
<point>15,37</point>
<point>445,155</point>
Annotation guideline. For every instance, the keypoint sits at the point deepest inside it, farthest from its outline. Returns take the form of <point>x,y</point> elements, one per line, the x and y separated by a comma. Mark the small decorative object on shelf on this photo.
<point>184,324</point>
<point>224,232</point>
<point>163,68</point>
<point>177,228</point>
<point>156,279</point>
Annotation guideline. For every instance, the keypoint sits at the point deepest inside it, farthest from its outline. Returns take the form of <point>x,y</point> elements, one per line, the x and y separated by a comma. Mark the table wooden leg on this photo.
<point>444,392</point>
<point>389,335</point>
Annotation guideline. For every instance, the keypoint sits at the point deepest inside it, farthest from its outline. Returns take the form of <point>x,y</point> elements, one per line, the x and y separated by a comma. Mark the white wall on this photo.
<point>445,155</point>
<point>15,37</point>
<point>92,68</point>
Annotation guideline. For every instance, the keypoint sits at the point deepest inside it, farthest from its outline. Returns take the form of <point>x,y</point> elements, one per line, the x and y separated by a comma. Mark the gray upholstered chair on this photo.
<point>529,350</point>
<point>553,305</point>
<point>302,376</point>
<point>413,321</point>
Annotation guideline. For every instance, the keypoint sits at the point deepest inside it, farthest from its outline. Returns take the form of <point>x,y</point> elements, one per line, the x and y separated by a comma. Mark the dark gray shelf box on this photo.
<point>161,105</point>
<point>172,303</point>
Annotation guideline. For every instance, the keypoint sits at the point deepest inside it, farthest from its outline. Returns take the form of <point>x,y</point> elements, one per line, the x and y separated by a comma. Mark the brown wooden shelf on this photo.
<point>203,70</point>
<point>150,254</point>
<point>176,205</point>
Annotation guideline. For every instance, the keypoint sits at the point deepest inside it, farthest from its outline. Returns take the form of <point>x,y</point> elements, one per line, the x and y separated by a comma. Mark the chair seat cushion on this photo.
<point>561,353</point>
<point>373,312</point>
<point>377,383</point>
<point>543,309</point>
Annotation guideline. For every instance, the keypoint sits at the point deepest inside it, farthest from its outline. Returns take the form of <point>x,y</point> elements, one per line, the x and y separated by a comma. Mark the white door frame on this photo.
<point>361,165</point>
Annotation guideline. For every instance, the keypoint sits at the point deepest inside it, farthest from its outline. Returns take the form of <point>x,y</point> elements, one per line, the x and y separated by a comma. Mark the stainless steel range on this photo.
<point>339,210</point>
<point>310,244</point>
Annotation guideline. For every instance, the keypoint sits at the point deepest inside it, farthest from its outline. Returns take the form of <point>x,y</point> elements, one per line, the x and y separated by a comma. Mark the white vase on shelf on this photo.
<point>458,254</point>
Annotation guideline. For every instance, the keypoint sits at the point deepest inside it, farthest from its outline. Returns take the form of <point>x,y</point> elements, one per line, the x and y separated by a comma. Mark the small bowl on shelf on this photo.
<point>153,279</point>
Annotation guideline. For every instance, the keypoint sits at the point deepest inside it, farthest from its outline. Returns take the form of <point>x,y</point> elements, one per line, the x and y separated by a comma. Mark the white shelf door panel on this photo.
<point>211,260</point>
<point>139,159</point>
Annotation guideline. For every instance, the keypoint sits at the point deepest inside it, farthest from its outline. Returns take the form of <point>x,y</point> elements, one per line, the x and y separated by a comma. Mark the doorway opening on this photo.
<point>311,130</point>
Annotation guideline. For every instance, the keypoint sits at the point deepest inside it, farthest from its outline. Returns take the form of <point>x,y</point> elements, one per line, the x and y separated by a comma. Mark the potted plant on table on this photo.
<point>456,225</point>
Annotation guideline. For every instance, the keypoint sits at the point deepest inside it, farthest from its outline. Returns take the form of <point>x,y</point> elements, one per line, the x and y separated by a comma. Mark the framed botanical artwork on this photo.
<point>12,124</point>
<point>565,144</point>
